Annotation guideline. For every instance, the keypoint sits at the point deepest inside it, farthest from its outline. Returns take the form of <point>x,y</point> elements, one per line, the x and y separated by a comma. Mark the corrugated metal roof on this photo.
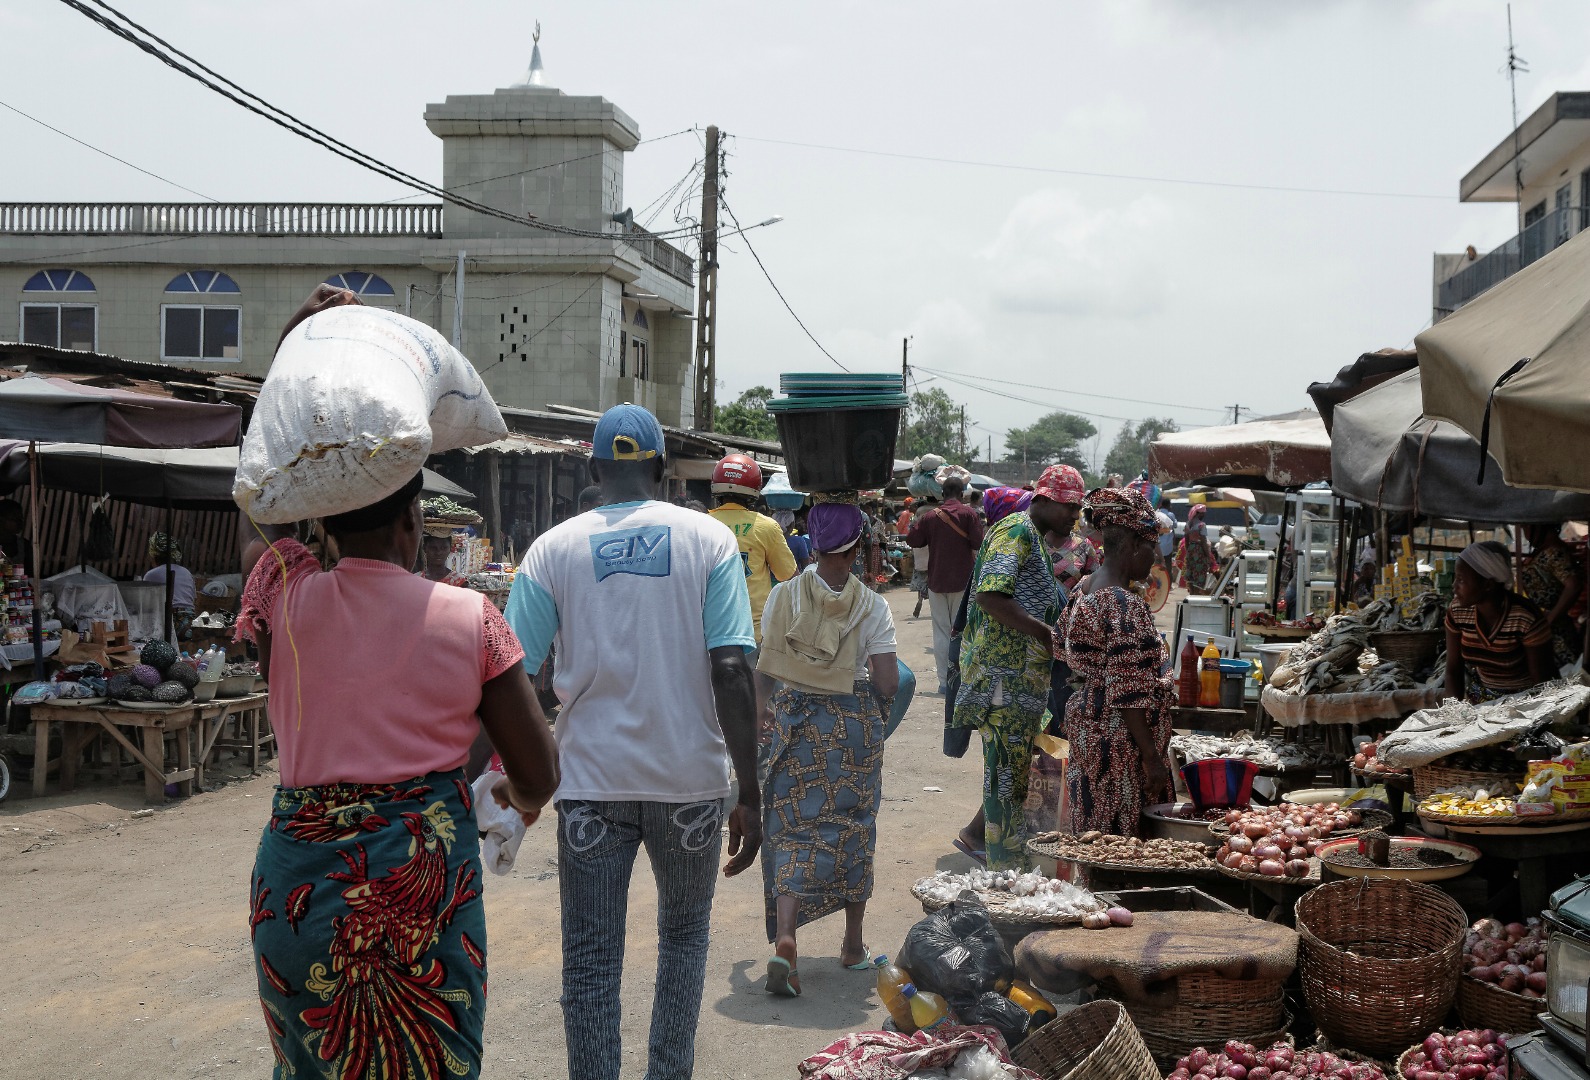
<point>518,443</point>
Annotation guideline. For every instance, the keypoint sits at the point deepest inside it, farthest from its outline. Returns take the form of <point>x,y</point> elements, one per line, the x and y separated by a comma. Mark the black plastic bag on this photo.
<point>999,1012</point>
<point>957,953</point>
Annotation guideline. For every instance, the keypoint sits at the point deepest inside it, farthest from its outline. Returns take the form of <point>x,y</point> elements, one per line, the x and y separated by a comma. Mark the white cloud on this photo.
<point>1055,256</point>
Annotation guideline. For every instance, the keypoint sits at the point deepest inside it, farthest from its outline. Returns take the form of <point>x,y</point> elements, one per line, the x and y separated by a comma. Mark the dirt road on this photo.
<point>127,953</point>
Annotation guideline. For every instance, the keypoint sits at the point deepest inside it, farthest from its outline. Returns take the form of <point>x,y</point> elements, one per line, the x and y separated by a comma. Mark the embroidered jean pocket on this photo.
<point>586,831</point>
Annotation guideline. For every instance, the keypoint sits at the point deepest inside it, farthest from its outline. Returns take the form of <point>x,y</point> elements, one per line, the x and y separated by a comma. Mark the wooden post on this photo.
<point>493,506</point>
<point>707,291</point>
<point>38,581</point>
<point>547,478</point>
<point>169,582</point>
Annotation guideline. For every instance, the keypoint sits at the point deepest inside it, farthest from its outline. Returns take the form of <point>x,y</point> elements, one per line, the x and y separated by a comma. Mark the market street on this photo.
<point>128,951</point>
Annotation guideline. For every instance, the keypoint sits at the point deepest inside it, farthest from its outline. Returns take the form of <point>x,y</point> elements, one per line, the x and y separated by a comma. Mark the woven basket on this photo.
<point>1379,962</point>
<point>1429,779</point>
<point>1097,1041</point>
<point>1170,1047</point>
<point>1415,648</point>
<point>1485,1005</point>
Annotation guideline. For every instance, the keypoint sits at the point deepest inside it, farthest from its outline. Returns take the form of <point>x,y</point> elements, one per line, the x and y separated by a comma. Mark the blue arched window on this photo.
<point>203,281</point>
<point>59,281</point>
<point>361,283</point>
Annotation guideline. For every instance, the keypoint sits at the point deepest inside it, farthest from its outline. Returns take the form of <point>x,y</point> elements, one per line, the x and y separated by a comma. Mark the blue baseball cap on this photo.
<point>627,433</point>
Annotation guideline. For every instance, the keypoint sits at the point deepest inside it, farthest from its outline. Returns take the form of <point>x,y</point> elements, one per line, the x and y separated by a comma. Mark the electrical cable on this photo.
<point>1100,175</point>
<point>776,289</point>
<point>1084,393</point>
<point>107,153</point>
<point>548,325</point>
<point>156,47</point>
<point>1034,401</point>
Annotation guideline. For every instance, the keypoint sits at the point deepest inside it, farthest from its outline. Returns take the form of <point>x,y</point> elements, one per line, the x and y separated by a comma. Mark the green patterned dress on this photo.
<point>1005,678</point>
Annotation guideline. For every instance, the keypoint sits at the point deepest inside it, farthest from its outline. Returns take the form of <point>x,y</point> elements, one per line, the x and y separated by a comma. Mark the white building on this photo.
<point>1543,167</point>
<point>583,320</point>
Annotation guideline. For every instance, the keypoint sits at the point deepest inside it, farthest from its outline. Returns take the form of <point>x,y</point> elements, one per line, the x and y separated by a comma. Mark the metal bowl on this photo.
<point>1466,855</point>
<point>1158,822</point>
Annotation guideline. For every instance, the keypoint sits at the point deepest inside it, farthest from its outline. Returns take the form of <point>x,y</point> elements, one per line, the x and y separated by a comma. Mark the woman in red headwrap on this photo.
<point>1119,719</point>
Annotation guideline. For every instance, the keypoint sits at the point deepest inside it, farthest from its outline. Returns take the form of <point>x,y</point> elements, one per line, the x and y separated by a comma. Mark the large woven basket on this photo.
<point>1429,779</point>
<point>1379,961</point>
<point>1486,1005</point>
<point>1097,1041</point>
<point>1170,1047</point>
<point>1415,648</point>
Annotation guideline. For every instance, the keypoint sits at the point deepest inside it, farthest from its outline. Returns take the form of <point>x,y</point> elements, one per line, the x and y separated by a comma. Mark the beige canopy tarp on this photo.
<point>1537,321</point>
<point>1280,453</point>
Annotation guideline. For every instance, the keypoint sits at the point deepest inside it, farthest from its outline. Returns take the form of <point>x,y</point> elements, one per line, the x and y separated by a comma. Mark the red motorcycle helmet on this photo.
<point>737,474</point>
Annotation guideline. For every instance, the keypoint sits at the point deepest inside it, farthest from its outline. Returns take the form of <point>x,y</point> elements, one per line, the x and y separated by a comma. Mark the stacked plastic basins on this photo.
<point>838,430</point>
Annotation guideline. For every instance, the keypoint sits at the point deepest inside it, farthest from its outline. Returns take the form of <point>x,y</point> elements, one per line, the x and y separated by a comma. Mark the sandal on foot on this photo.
<point>977,855</point>
<point>779,973</point>
<point>865,963</point>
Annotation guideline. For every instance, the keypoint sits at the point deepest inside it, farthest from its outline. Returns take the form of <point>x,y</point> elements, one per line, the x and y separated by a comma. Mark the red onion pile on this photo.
<point>1367,760</point>
<point>1278,841</point>
<point>1468,1055</point>
<point>1241,1061</point>
<point>1511,956</point>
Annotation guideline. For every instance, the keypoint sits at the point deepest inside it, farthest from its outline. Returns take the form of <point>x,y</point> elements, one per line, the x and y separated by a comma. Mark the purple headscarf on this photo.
<point>833,526</point>
<point>1001,502</point>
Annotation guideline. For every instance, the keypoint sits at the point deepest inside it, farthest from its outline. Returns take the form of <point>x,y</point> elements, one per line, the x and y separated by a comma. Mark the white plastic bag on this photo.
<point>356,400</point>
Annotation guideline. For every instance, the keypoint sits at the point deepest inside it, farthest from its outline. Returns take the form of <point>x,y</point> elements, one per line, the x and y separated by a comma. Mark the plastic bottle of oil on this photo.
<point>892,981</point>
<point>1209,678</point>
<point>1035,1004</point>
<point>928,1011</point>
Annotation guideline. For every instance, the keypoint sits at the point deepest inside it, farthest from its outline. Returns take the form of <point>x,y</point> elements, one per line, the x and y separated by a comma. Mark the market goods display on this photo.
<point>1328,662</point>
<point>145,675</point>
<point>441,508</point>
<point>161,676</point>
<point>1367,761</point>
<point>1124,852</point>
<point>355,401</point>
<point>1411,858</point>
<point>1096,1041</point>
<point>159,655</point>
<point>1430,735</point>
<point>1012,896</point>
<point>1269,753</point>
<point>1243,1061</point>
<point>1379,961</point>
<point>1473,805</point>
<point>1504,975</point>
<point>1457,1055</point>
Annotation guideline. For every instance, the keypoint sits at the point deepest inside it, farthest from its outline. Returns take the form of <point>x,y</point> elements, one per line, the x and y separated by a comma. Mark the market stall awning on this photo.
<point>186,479</point>
<point>61,410</point>
<point>1278,453</point>
<point>1370,369</point>
<point>1521,353</point>
<point>1385,453</point>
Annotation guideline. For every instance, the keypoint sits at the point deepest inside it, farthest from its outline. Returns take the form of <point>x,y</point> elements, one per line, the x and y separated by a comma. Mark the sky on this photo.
<point>1126,209</point>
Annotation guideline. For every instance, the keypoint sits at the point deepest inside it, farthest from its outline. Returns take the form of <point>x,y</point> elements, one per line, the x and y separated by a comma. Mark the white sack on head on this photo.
<point>356,400</point>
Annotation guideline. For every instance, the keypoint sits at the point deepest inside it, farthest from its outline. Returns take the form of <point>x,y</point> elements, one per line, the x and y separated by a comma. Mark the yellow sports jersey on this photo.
<point>763,550</point>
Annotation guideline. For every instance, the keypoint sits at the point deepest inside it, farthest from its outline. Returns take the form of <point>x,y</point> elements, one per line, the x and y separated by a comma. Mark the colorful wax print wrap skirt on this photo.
<point>820,812</point>
<point>369,931</point>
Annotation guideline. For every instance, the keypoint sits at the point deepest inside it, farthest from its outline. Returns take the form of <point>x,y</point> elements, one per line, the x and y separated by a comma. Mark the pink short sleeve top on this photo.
<point>375,673</point>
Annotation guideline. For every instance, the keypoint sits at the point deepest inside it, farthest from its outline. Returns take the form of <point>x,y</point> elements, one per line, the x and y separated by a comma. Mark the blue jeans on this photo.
<point>597,843</point>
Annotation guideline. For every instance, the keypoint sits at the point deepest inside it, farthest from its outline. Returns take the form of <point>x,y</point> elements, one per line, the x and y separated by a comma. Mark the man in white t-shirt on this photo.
<point>647,605</point>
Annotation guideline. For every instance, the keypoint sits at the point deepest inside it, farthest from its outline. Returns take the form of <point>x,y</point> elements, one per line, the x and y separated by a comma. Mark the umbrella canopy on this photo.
<point>1281,453</point>
<point>32,407</point>
<point>1385,453</point>
<point>186,479</point>
<point>1531,335</point>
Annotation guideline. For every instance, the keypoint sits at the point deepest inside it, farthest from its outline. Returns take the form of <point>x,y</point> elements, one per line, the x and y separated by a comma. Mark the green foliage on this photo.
<point>747,416</point>
<point>933,425</point>
<point>1055,439</point>
<point>1129,455</point>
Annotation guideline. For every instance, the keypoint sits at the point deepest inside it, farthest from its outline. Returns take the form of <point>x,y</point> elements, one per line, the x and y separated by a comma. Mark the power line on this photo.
<point>33,259</point>
<point>1084,393</point>
<point>1100,175</point>
<point>548,325</point>
<point>157,47</point>
<point>743,235</point>
<point>1034,401</point>
<point>107,153</point>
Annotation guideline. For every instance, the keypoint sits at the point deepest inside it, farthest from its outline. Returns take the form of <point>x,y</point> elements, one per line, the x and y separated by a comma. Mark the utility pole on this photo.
<point>905,375</point>
<point>707,292</point>
<point>458,304</point>
<point>1236,414</point>
<point>963,432</point>
<point>1516,64</point>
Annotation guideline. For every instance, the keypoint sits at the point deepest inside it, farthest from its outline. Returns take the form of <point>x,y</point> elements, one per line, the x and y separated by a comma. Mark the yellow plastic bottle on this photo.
<point>1035,1004</point>
<point>1209,678</point>
<point>928,1010</point>
<point>892,981</point>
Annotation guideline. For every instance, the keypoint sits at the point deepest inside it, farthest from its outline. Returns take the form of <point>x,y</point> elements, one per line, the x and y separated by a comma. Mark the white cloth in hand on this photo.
<point>501,828</point>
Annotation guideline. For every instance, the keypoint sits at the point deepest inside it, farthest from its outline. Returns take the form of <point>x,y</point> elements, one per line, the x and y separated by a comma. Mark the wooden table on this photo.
<point>1545,862</point>
<point>1221,721</point>
<point>82,723</point>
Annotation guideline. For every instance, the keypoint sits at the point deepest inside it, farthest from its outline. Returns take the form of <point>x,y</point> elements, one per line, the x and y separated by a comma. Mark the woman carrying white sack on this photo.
<point>365,908</point>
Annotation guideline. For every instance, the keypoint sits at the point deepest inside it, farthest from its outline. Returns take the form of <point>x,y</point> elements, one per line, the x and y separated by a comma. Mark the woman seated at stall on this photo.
<point>164,550</point>
<point>1497,642</point>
